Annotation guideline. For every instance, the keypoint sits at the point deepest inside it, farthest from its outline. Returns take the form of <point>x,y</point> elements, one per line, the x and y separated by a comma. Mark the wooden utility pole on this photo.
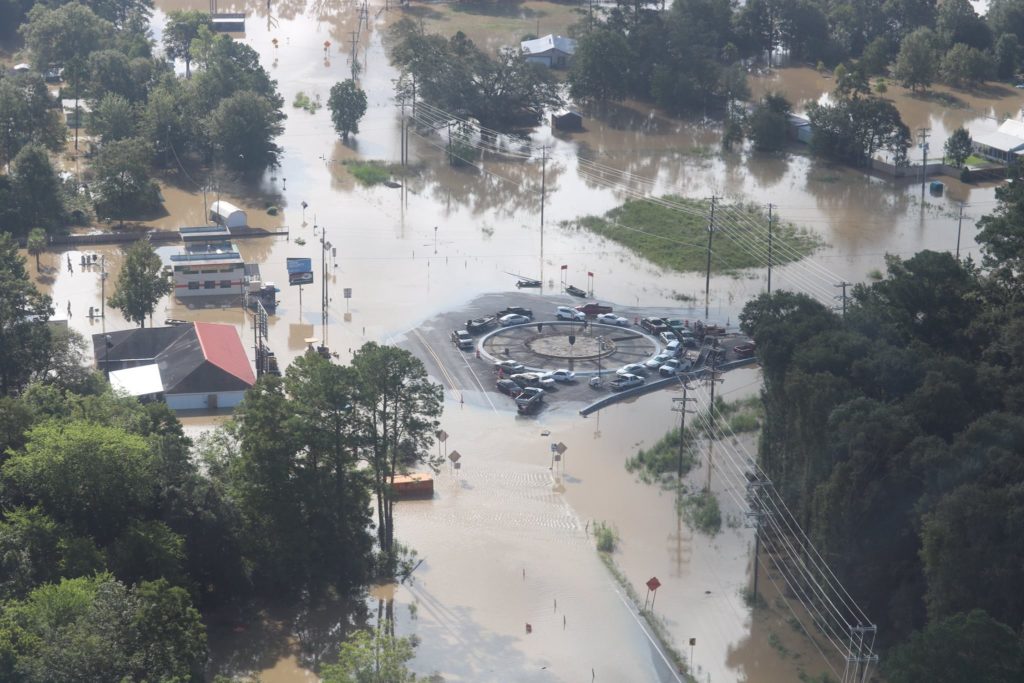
<point>707,276</point>
<point>713,380</point>
<point>770,207</point>
<point>679,406</point>
<point>844,284</point>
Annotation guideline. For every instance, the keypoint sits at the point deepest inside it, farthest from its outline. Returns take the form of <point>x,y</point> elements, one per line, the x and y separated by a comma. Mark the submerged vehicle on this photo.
<point>575,291</point>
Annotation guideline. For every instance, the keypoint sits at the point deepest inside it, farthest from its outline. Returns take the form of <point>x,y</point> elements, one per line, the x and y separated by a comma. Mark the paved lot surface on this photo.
<point>469,376</point>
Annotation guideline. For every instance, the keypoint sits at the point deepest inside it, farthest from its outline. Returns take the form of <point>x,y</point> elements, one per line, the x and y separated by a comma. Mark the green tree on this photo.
<point>37,191</point>
<point>1001,237</point>
<point>965,66</point>
<point>24,334</point>
<point>917,60</point>
<point>397,409</point>
<point>347,104</point>
<point>963,647</point>
<point>957,22</point>
<point>113,118</point>
<point>67,32</point>
<point>37,243</point>
<point>93,478</point>
<point>140,284</point>
<point>25,105</point>
<point>243,128</point>
<point>123,185</point>
<point>768,124</point>
<point>1007,56</point>
<point>181,29</point>
<point>372,656</point>
<point>168,121</point>
<point>958,146</point>
<point>876,56</point>
<point>600,67</point>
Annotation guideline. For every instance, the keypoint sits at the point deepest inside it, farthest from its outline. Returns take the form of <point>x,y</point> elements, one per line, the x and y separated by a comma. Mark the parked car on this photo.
<point>668,336</point>
<point>560,375</point>
<point>612,319</point>
<point>631,369</point>
<point>653,325</point>
<point>744,350</point>
<point>513,319</point>
<point>478,325</point>
<point>670,368</point>
<point>593,308</point>
<point>658,361</point>
<point>531,379</point>
<point>626,381</point>
<point>566,313</point>
<point>530,399</point>
<point>507,386</point>
<point>462,339</point>
<point>515,309</point>
<point>509,367</point>
<point>674,348</point>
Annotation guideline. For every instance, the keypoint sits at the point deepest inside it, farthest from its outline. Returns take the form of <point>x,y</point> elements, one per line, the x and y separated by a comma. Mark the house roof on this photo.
<point>546,43</point>
<point>1004,142</point>
<point>136,344</point>
<point>209,360</point>
<point>1013,127</point>
<point>138,381</point>
<point>192,359</point>
<point>223,208</point>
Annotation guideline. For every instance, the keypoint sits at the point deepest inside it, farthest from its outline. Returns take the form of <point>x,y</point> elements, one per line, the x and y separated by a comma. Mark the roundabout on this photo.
<point>585,348</point>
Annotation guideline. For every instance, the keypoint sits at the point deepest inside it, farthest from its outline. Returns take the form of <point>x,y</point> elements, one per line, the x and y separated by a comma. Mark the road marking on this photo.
<point>479,383</point>
<point>440,365</point>
<point>654,641</point>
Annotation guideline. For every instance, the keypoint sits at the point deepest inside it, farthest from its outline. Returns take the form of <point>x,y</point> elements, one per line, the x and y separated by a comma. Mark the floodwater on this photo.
<point>452,234</point>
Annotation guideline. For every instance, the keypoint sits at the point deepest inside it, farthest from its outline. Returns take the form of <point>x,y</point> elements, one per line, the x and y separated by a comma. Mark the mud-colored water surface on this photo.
<point>451,234</point>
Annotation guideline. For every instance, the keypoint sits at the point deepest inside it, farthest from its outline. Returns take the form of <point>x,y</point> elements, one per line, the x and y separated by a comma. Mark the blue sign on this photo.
<point>300,271</point>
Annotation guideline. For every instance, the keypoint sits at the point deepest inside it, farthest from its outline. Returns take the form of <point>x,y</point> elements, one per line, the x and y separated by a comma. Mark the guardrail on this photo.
<point>659,383</point>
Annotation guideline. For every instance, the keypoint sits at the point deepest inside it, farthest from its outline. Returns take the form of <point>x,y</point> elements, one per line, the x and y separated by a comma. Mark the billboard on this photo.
<point>300,271</point>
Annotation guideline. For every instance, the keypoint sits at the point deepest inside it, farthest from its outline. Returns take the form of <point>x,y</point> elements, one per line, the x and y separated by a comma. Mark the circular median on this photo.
<point>585,348</point>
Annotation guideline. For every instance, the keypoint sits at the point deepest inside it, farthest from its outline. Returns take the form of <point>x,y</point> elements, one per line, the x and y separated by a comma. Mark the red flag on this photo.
<point>565,267</point>
<point>590,274</point>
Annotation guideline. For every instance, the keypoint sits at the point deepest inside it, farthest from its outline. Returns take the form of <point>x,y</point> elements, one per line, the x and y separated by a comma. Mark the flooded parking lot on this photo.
<point>414,255</point>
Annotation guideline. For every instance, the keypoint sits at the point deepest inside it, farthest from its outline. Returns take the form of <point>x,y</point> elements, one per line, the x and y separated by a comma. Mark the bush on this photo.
<point>370,174</point>
<point>606,537</point>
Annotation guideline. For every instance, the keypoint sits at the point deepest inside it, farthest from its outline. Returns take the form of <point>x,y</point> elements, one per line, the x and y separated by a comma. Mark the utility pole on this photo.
<point>679,405</point>
<point>713,380</point>
<point>543,198</point>
<point>707,276</point>
<point>355,37</point>
<point>757,514</point>
<point>103,292</point>
<point>922,142</point>
<point>959,224</point>
<point>449,143</point>
<point>770,207</point>
<point>844,284</point>
<point>324,246</point>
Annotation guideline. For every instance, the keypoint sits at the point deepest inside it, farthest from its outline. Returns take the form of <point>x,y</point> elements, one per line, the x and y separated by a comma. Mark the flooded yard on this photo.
<point>506,540</point>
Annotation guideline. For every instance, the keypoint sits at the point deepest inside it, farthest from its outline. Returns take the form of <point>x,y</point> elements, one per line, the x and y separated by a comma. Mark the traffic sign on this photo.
<point>454,456</point>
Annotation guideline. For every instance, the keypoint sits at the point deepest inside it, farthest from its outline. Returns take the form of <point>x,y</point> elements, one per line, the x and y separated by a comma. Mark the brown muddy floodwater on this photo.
<point>452,234</point>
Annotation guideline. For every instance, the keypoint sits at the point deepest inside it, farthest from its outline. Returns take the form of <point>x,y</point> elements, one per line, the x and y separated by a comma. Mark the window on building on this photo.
<point>193,285</point>
<point>209,284</point>
<point>225,284</point>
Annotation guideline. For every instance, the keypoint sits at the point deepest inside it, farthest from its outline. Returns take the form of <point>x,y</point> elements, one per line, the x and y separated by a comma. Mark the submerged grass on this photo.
<point>370,172</point>
<point>701,512</point>
<point>678,241</point>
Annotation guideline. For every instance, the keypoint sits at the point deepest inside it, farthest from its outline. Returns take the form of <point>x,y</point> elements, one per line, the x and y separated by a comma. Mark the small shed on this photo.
<point>567,120</point>
<point>552,51</point>
<point>415,485</point>
<point>227,214</point>
<point>799,128</point>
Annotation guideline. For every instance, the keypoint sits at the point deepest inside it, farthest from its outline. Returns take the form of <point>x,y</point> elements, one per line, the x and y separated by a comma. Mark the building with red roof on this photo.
<point>201,366</point>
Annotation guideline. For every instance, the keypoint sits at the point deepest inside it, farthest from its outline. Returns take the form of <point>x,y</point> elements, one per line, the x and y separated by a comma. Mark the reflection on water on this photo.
<point>504,514</point>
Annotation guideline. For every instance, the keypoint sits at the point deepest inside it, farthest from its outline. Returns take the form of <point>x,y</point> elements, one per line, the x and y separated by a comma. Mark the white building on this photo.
<point>210,265</point>
<point>228,215</point>
<point>552,51</point>
<point>1002,145</point>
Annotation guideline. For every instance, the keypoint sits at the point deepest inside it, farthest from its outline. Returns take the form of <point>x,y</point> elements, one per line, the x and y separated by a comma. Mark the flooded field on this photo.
<point>452,234</point>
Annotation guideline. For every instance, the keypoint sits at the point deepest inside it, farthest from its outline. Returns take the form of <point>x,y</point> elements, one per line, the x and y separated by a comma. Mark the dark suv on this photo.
<point>653,325</point>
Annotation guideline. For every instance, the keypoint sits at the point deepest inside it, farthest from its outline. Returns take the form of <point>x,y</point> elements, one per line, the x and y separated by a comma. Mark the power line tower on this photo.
<point>860,654</point>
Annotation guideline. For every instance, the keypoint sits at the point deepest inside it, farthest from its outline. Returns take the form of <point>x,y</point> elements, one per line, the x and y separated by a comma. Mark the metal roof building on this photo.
<point>551,50</point>
<point>202,366</point>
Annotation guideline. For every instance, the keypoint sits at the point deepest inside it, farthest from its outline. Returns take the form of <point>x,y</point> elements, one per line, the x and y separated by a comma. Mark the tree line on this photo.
<point>144,117</point>
<point>895,435</point>
<point>119,534</point>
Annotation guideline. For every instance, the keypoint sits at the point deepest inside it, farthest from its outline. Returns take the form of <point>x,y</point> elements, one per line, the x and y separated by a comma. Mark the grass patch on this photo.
<point>370,173</point>
<point>678,241</point>
<point>975,160</point>
<point>777,645</point>
<point>660,463</point>
<point>606,537</point>
<point>753,600</point>
<point>701,512</point>
<point>875,274</point>
<point>303,101</point>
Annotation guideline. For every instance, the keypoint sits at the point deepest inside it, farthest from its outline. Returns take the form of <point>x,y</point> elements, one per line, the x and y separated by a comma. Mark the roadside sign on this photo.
<point>442,435</point>
<point>454,456</point>
<point>347,292</point>
<point>300,271</point>
<point>560,447</point>
<point>653,584</point>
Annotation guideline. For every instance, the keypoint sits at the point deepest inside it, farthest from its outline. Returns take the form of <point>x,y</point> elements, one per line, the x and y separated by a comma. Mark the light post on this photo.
<point>106,355</point>
<point>435,240</point>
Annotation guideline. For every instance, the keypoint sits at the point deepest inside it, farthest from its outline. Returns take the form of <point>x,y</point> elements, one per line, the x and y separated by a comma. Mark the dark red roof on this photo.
<point>222,347</point>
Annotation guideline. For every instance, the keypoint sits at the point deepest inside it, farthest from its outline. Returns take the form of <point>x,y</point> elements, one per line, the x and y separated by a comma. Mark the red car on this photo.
<point>594,308</point>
